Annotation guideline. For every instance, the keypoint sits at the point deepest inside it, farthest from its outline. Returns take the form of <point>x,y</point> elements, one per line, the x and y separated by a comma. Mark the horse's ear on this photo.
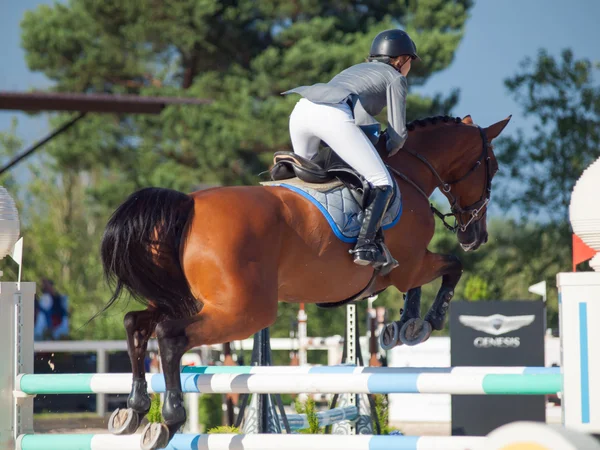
<point>494,130</point>
<point>467,120</point>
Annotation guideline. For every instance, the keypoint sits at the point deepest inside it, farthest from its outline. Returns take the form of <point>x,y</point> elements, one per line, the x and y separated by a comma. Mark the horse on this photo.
<point>211,266</point>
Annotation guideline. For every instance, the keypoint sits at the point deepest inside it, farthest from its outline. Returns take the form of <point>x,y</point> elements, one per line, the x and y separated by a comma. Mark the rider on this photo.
<point>341,113</point>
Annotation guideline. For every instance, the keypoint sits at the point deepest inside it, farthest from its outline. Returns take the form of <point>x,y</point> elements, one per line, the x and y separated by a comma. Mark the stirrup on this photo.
<point>384,267</point>
<point>361,255</point>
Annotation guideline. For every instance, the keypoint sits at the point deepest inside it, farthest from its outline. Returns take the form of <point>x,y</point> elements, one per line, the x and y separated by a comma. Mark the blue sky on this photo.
<point>498,36</point>
<point>14,75</point>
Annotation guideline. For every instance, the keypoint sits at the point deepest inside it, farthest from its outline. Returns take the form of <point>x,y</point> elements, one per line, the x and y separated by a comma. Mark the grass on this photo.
<point>224,429</point>
<point>154,415</point>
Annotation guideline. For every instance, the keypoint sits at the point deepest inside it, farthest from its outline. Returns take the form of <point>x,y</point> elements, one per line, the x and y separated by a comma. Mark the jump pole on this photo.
<point>252,442</point>
<point>310,383</point>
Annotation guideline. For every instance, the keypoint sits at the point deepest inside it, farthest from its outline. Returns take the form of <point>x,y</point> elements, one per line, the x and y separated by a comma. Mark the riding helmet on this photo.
<point>393,43</point>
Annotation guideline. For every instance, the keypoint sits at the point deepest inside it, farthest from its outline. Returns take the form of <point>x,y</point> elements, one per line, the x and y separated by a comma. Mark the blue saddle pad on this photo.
<point>342,211</point>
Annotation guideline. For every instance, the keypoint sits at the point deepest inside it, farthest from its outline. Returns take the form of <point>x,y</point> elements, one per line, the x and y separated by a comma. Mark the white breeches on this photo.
<point>311,123</point>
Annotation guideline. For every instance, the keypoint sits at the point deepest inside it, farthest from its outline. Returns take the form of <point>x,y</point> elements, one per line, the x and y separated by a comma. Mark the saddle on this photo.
<point>325,167</point>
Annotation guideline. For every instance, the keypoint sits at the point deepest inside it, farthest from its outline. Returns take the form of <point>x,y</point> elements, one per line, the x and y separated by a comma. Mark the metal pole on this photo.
<point>192,401</point>
<point>351,341</point>
<point>302,335</point>
<point>38,144</point>
<point>101,367</point>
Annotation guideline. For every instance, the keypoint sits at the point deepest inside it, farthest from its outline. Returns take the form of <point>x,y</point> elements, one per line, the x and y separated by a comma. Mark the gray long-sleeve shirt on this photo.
<point>370,87</point>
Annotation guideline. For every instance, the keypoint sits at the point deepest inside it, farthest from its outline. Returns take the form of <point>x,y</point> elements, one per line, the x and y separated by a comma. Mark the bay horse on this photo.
<point>211,266</point>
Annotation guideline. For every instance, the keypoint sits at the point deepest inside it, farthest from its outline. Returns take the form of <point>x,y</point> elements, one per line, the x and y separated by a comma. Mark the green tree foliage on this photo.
<point>211,411</point>
<point>62,229</point>
<point>241,54</point>
<point>560,94</point>
<point>476,288</point>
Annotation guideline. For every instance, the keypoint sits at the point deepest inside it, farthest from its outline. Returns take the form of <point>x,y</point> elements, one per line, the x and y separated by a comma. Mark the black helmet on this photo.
<point>393,43</point>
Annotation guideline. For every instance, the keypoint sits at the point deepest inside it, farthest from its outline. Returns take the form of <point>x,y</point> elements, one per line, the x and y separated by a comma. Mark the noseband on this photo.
<point>472,211</point>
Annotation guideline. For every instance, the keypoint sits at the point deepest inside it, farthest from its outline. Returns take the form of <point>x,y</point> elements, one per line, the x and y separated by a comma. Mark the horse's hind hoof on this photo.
<point>415,331</point>
<point>124,421</point>
<point>388,338</point>
<point>154,436</point>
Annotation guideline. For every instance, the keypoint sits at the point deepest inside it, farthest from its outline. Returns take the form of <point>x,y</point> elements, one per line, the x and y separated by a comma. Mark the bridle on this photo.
<point>473,211</point>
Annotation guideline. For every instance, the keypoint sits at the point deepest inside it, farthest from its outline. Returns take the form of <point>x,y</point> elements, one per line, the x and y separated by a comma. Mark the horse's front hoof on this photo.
<point>388,338</point>
<point>124,421</point>
<point>155,436</point>
<point>415,331</point>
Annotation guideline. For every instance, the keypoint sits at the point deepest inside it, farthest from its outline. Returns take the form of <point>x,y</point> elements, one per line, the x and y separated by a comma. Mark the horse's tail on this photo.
<point>141,251</point>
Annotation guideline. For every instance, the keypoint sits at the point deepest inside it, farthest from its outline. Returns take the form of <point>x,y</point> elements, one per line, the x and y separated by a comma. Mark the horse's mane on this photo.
<point>433,120</point>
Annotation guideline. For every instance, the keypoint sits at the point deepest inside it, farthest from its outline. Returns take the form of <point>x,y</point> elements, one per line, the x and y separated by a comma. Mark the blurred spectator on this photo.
<point>51,313</point>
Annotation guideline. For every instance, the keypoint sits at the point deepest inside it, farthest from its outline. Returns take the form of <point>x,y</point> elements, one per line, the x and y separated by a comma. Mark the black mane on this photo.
<point>431,121</point>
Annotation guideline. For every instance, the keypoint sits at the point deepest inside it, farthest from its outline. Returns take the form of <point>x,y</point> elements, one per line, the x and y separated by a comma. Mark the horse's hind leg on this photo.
<point>235,282</point>
<point>210,326</point>
<point>139,326</point>
<point>173,342</point>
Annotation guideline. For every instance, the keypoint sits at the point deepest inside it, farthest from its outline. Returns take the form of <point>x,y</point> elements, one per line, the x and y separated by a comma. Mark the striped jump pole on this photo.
<point>251,442</point>
<point>311,383</point>
<point>347,369</point>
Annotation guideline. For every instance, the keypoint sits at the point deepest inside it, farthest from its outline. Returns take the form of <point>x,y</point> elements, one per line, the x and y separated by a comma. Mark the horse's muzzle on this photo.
<point>473,237</point>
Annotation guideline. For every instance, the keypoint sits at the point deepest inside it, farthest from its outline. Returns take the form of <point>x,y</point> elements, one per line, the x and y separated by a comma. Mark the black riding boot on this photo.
<point>367,251</point>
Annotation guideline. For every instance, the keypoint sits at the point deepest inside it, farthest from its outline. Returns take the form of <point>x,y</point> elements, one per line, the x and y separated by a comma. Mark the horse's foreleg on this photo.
<point>139,326</point>
<point>407,329</point>
<point>411,329</point>
<point>452,271</point>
